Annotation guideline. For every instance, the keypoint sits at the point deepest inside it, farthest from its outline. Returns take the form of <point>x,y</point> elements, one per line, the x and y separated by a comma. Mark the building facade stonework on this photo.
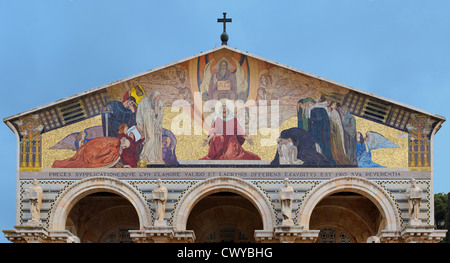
<point>278,155</point>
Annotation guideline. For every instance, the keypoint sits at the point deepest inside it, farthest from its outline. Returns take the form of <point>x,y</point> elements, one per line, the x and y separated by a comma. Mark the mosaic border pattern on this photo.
<point>269,193</point>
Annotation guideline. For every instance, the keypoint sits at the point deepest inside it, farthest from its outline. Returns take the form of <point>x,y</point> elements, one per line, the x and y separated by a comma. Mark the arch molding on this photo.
<point>88,186</point>
<point>224,184</point>
<point>362,186</point>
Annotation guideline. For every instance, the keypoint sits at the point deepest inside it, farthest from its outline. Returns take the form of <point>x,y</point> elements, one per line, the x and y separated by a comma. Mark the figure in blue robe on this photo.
<point>364,146</point>
<point>319,128</point>
<point>364,156</point>
<point>116,113</point>
<point>168,148</point>
<point>306,149</point>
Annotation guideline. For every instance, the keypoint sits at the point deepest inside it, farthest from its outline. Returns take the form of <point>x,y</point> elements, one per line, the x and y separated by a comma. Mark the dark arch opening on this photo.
<point>346,217</point>
<point>102,217</point>
<point>224,217</point>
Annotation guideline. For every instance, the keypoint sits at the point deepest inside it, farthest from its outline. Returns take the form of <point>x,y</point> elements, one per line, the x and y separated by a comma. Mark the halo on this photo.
<point>263,72</point>
<point>231,67</point>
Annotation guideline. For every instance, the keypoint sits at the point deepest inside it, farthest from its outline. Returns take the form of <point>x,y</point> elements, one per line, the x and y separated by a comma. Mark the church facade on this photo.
<point>225,146</point>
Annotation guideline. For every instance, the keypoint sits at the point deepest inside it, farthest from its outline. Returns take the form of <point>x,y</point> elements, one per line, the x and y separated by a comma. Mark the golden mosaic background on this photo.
<point>52,137</point>
<point>395,157</point>
<point>189,147</point>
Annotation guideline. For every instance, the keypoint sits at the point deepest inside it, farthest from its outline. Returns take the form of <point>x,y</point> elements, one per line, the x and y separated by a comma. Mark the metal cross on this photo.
<point>224,20</point>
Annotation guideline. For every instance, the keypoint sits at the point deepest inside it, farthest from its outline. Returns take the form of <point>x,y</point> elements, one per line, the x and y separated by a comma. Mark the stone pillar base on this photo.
<point>415,222</point>
<point>422,234</point>
<point>162,234</point>
<point>287,234</point>
<point>160,223</point>
<point>413,234</point>
<point>288,222</point>
<point>39,234</point>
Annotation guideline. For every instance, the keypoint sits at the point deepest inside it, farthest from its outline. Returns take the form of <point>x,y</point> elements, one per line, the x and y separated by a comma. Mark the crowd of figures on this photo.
<point>132,136</point>
<point>326,136</point>
<point>332,127</point>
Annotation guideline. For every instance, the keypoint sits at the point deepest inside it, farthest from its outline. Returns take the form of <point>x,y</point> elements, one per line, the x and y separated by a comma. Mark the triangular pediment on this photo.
<point>268,99</point>
<point>365,104</point>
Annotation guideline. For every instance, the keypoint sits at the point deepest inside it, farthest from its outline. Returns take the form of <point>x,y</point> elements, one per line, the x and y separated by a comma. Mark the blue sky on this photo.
<point>53,49</point>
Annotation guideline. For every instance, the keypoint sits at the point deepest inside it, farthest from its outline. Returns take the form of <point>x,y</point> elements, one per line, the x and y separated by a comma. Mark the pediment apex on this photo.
<point>225,49</point>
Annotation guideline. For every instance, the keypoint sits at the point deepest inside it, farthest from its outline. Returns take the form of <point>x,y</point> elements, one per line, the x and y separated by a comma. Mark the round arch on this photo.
<point>85,187</point>
<point>224,184</point>
<point>362,186</point>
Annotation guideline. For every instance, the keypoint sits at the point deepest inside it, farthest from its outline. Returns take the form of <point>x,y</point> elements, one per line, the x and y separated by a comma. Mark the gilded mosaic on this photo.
<point>229,108</point>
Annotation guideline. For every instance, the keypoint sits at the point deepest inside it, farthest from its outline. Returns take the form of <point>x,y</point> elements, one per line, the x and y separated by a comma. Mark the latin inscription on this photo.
<point>205,173</point>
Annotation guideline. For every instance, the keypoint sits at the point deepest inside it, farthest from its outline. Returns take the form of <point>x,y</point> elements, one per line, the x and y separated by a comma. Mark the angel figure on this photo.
<point>364,146</point>
<point>75,140</point>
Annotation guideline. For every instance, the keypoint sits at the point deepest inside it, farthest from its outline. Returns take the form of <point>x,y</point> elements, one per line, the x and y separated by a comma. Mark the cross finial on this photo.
<point>224,20</point>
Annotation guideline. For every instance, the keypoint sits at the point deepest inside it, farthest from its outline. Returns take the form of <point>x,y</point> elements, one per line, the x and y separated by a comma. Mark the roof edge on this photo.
<point>341,84</point>
<point>107,85</point>
<point>213,50</point>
